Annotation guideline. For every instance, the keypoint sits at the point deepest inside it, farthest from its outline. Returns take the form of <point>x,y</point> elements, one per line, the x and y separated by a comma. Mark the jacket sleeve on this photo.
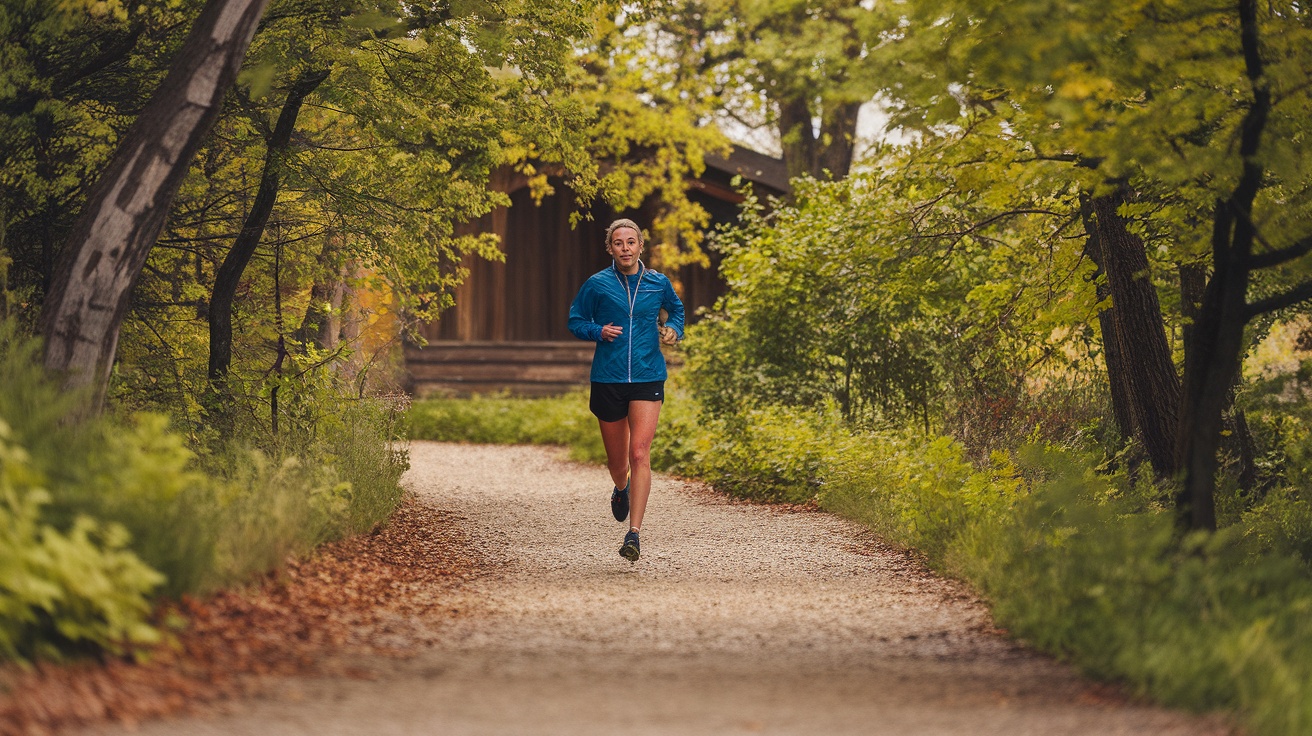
<point>674,307</point>
<point>581,323</point>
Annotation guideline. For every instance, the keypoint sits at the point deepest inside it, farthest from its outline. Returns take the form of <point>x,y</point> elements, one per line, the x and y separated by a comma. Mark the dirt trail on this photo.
<point>738,619</point>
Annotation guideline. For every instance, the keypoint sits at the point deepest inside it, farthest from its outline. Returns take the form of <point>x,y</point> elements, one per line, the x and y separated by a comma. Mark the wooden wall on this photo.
<point>527,297</point>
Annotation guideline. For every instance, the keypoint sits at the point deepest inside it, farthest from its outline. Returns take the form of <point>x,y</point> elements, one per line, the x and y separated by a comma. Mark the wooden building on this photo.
<point>507,330</point>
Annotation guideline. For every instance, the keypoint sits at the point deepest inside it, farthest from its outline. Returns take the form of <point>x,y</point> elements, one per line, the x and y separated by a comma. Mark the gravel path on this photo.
<point>739,618</point>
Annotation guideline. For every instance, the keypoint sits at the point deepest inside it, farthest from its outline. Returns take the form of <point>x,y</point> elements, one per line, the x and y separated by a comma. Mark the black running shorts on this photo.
<point>609,402</point>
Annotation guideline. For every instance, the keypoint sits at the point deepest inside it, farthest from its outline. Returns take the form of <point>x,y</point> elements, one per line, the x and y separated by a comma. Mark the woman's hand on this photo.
<point>668,335</point>
<point>611,331</point>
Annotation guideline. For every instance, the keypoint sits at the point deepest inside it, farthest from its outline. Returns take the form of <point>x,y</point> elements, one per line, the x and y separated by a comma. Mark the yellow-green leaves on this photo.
<point>59,588</point>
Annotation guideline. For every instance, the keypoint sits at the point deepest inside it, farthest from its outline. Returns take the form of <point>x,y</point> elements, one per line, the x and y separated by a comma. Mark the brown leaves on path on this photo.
<point>375,594</point>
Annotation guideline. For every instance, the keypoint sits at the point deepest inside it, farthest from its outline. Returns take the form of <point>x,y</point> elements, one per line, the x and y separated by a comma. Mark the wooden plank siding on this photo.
<point>532,368</point>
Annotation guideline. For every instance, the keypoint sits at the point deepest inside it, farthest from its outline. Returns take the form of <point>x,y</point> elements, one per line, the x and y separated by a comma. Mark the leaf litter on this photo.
<point>378,594</point>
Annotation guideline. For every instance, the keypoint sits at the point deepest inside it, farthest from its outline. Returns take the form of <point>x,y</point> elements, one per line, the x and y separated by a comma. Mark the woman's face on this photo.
<point>625,246</point>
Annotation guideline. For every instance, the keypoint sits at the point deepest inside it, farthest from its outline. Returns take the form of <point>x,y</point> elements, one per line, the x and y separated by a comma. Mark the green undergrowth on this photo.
<point>99,516</point>
<point>1078,561</point>
<point>556,420</point>
<point>506,420</point>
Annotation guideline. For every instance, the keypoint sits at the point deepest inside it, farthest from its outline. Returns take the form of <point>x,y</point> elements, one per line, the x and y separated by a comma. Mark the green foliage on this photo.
<point>78,588</point>
<point>768,454</point>
<point>905,293</point>
<point>392,154</point>
<point>1156,88</point>
<point>563,420</point>
<point>1209,624</point>
<point>794,74</point>
<point>257,511</point>
<point>674,448</point>
<point>72,76</point>
<point>106,511</point>
<point>1281,524</point>
<point>647,124</point>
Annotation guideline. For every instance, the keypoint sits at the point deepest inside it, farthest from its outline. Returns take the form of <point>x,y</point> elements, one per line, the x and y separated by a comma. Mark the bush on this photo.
<point>1206,624</point>
<point>124,507</point>
<point>674,449</point>
<point>74,589</point>
<point>1281,525</point>
<point>768,454</point>
<point>916,491</point>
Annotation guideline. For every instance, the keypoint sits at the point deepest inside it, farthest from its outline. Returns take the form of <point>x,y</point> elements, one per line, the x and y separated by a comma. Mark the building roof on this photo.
<point>754,166</point>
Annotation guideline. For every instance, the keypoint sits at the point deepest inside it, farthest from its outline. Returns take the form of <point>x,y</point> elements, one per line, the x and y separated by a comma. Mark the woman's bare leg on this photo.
<point>643,416</point>
<point>615,436</point>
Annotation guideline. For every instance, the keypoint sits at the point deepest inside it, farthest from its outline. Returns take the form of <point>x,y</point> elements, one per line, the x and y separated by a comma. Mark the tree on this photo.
<point>407,106</point>
<point>1141,369</point>
<point>389,154</point>
<point>126,209</point>
<point>252,229</point>
<point>906,293</point>
<point>1155,97</point>
<point>803,68</point>
<point>76,74</point>
<point>1217,336</point>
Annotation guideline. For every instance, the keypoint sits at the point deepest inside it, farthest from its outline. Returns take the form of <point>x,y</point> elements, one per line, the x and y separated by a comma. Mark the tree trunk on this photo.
<point>837,140</point>
<point>126,208</point>
<point>798,137</point>
<point>829,155</point>
<point>1193,285</point>
<point>1149,370</point>
<point>1211,366</point>
<point>353,323</point>
<point>1117,372</point>
<point>229,274</point>
<point>1138,335</point>
<point>1241,445</point>
<point>322,325</point>
<point>1238,440</point>
<point>1212,361</point>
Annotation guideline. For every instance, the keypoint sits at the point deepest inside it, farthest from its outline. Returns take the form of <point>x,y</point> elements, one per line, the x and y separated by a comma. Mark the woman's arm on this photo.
<point>581,324</point>
<point>670,302</point>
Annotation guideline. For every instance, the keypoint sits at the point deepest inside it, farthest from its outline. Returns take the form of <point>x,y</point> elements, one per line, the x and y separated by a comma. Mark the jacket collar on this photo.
<point>614,266</point>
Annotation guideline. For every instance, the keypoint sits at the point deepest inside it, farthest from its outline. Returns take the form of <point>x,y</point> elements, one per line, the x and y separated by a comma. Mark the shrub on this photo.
<point>919,492</point>
<point>768,454</point>
<point>118,500</point>
<point>72,589</point>
<point>674,448</point>
<point>1205,624</point>
<point>1281,525</point>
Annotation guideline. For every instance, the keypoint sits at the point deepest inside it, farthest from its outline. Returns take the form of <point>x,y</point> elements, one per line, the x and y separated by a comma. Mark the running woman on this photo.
<point>619,309</point>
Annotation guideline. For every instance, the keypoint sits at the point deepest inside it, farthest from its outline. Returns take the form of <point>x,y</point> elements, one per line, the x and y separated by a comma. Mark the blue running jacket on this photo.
<point>607,297</point>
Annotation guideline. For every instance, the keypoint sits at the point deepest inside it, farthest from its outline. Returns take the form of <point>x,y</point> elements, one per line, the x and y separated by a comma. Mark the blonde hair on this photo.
<point>624,222</point>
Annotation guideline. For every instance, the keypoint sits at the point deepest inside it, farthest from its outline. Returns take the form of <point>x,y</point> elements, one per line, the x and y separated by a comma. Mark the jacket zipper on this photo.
<point>633,300</point>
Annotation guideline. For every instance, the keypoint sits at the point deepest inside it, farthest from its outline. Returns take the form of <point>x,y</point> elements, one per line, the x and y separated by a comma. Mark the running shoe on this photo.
<point>630,550</point>
<point>619,501</point>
